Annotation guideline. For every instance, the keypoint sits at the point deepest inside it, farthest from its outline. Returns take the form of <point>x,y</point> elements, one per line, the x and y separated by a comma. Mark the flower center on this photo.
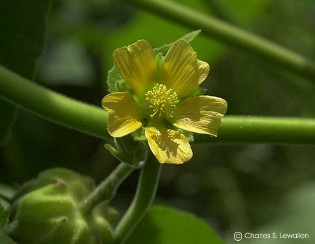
<point>161,102</point>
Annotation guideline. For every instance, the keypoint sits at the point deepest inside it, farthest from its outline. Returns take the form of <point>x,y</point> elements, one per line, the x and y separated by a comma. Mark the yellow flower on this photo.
<point>161,99</point>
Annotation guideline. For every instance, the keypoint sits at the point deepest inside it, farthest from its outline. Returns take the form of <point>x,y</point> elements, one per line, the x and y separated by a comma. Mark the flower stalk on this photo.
<point>146,190</point>
<point>106,190</point>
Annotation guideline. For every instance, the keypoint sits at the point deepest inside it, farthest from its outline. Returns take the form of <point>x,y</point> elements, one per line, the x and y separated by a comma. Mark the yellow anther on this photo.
<point>161,102</point>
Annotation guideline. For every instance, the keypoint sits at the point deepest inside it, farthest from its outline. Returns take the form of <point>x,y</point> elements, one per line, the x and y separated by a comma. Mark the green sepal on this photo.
<point>78,185</point>
<point>103,216</point>
<point>159,58</point>
<point>188,135</point>
<point>120,155</point>
<point>197,92</point>
<point>139,135</point>
<point>188,37</point>
<point>129,151</point>
<point>115,82</point>
<point>106,211</point>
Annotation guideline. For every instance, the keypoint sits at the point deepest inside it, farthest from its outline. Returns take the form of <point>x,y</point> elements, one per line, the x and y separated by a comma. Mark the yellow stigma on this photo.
<point>161,102</point>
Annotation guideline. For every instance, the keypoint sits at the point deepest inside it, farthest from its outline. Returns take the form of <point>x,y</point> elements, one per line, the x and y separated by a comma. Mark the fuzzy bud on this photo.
<point>49,210</point>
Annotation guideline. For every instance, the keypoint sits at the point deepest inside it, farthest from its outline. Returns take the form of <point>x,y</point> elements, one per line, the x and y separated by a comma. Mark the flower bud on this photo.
<point>49,210</point>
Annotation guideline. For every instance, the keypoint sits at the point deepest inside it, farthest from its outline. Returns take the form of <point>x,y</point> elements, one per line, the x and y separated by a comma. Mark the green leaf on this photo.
<point>22,25</point>
<point>164,225</point>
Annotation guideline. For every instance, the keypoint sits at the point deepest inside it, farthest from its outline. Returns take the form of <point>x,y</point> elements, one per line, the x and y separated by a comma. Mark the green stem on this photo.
<point>107,189</point>
<point>93,121</point>
<point>143,199</point>
<point>229,34</point>
<point>242,129</point>
<point>53,106</point>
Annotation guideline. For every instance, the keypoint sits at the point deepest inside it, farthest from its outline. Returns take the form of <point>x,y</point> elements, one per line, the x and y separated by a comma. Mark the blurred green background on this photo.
<point>233,187</point>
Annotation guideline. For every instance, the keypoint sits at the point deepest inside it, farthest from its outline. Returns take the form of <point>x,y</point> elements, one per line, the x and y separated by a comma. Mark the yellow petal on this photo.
<point>137,65</point>
<point>123,115</point>
<point>180,69</point>
<point>200,114</point>
<point>203,70</point>
<point>168,146</point>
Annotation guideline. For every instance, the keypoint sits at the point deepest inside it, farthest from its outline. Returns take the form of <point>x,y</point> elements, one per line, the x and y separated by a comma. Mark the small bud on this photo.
<point>129,151</point>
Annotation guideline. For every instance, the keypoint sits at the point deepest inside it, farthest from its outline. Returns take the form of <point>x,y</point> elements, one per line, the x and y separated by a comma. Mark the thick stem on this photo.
<point>51,105</point>
<point>143,199</point>
<point>229,34</point>
<point>93,121</point>
<point>106,190</point>
<point>242,129</point>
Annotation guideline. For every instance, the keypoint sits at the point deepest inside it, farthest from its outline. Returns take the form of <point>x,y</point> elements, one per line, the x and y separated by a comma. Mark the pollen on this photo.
<point>161,102</point>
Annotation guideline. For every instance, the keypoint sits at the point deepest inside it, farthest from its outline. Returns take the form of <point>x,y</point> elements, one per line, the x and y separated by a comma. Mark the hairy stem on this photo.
<point>106,189</point>
<point>143,199</point>
<point>231,35</point>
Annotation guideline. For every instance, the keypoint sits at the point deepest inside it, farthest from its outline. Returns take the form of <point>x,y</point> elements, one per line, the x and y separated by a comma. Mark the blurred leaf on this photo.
<point>22,26</point>
<point>66,63</point>
<point>164,225</point>
<point>296,216</point>
<point>4,239</point>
